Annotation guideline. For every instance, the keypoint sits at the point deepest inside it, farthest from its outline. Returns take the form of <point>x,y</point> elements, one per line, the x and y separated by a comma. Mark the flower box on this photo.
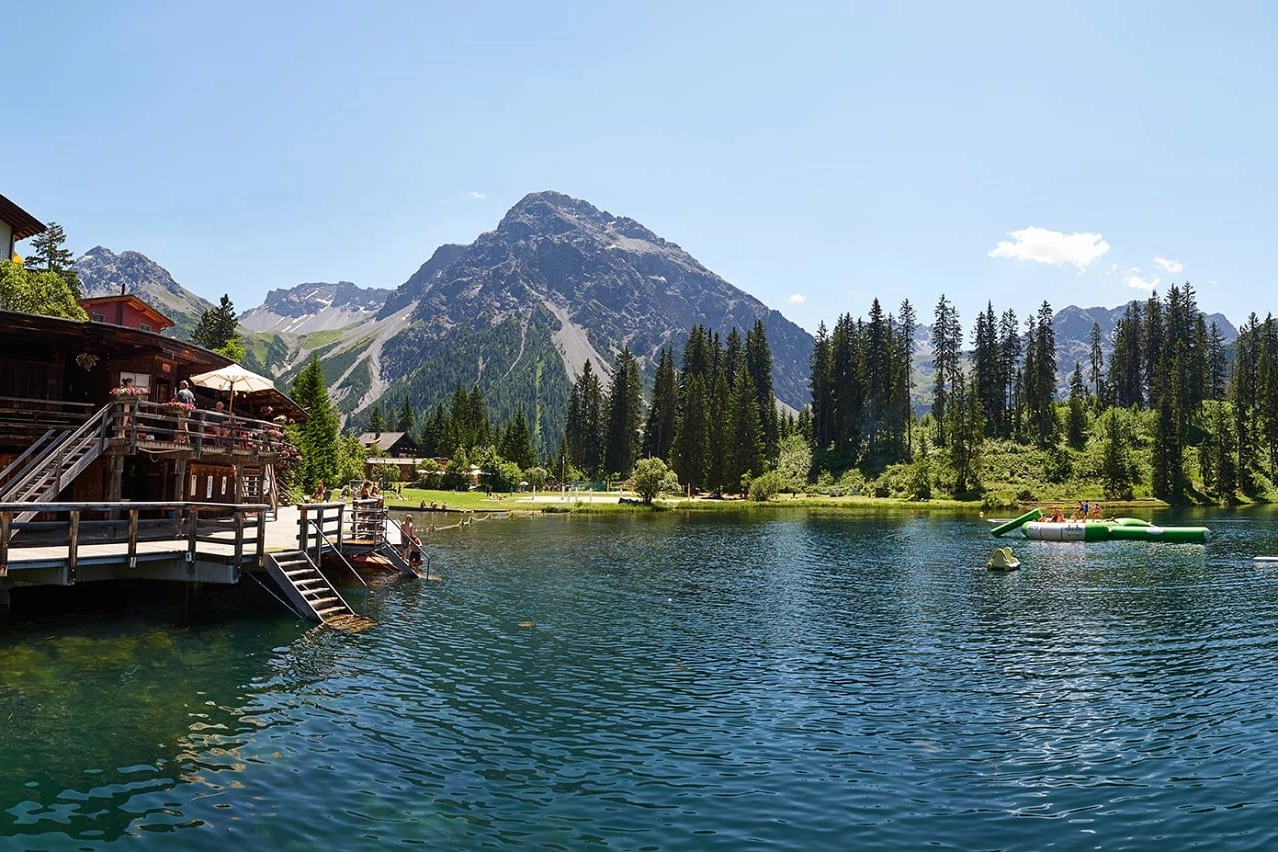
<point>130,394</point>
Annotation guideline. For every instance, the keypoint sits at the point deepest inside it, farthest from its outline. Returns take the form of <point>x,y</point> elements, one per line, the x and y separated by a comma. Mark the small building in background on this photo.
<point>392,445</point>
<point>126,310</point>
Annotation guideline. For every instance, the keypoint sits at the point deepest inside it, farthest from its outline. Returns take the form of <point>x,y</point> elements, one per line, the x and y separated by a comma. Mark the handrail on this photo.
<point>75,523</point>
<point>28,458</point>
<point>75,439</point>
<point>320,529</point>
<point>202,430</point>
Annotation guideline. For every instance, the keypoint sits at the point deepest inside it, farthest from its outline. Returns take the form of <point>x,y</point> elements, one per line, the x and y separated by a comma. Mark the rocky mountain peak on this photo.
<point>104,273</point>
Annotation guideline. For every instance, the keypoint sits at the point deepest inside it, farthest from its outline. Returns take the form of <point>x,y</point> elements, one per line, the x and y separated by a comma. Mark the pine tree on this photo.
<point>1096,372</point>
<point>625,400</point>
<point>659,430</point>
<point>376,423</point>
<point>905,373</point>
<point>216,328</point>
<point>986,378</point>
<point>1225,464</point>
<point>516,443</point>
<point>435,434</point>
<point>49,255</point>
<point>584,425</point>
<point>717,430</point>
<point>822,381</point>
<point>1040,388</point>
<point>407,421</point>
<point>316,438</point>
<point>758,361</point>
<point>1076,420</point>
<point>1009,359</point>
<point>947,337</point>
<point>745,447</point>
<point>1116,469</point>
<point>691,450</point>
<point>966,431</point>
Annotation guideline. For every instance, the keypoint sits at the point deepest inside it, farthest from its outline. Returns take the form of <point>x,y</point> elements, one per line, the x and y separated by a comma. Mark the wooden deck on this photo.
<point>181,542</point>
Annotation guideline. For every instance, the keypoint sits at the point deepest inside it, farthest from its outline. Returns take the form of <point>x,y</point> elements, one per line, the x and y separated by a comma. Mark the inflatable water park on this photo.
<point>1033,527</point>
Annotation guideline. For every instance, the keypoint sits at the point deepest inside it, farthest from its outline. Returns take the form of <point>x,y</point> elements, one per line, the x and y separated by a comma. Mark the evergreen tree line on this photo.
<point>713,418</point>
<point>1167,365</point>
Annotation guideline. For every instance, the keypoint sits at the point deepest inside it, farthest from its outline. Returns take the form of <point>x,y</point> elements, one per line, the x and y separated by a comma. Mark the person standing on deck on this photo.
<point>186,397</point>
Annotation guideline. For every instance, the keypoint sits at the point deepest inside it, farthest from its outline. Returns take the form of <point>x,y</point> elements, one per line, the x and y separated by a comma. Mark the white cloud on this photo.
<point>1171,267</point>
<point>1043,246</point>
<point>796,298</point>
<point>476,195</point>
<point>1136,282</point>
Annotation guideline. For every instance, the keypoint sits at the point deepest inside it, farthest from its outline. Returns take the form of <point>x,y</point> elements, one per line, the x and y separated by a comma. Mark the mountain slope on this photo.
<point>519,311</point>
<point>105,273</point>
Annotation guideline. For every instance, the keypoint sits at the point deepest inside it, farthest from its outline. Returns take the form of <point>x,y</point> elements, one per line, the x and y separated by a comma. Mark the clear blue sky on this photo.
<point>815,155</point>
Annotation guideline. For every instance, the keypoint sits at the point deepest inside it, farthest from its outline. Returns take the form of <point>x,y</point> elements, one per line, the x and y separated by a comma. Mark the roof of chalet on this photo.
<point>104,338</point>
<point>23,223</point>
<point>158,320</point>
<point>383,440</point>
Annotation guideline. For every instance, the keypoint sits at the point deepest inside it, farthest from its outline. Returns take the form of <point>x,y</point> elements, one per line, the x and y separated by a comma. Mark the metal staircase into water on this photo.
<point>53,462</point>
<point>310,593</point>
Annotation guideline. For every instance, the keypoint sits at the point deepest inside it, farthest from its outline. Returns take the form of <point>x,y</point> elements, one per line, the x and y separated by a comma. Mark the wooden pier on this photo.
<point>66,544</point>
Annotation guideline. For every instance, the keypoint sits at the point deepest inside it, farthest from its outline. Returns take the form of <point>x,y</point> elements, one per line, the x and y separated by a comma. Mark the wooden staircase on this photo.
<point>53,463</point>
<point>310,593</point>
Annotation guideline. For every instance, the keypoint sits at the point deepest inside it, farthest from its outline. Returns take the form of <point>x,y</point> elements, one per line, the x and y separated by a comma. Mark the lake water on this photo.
<point>792,679</point>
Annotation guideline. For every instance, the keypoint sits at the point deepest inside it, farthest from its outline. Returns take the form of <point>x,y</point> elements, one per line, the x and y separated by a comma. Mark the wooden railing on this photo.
<point>76,525</point>
<point>319,526</point>
<point>146,423</point>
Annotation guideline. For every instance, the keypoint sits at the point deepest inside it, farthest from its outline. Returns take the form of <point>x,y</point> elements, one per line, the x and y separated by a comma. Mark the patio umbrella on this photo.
<point>232,378</point>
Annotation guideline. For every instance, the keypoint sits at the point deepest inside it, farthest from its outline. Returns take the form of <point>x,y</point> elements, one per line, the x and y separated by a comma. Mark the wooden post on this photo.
<point>193,521</point>
<point>261,539</point>
<point>239,537</point>
<point>73,538</point>
<point>115,485</point>
<point>133,538</point>
<point>303,541</point>
<point>6,524</point>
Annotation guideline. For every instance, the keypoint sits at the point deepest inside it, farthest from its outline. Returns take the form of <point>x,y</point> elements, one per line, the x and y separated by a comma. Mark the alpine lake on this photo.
<point>796,679</point>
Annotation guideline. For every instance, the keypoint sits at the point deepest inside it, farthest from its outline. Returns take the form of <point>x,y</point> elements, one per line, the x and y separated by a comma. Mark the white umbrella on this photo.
<point>232,378</point>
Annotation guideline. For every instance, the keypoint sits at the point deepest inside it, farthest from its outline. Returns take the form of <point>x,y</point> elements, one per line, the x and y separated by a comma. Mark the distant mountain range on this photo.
<point>518,312</point>
<point>315,307</point>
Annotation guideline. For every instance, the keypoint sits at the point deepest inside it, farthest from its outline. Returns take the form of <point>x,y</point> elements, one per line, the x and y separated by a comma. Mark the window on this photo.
<point>145,326</point>
<point>99,318</point>
<point>140,380</point>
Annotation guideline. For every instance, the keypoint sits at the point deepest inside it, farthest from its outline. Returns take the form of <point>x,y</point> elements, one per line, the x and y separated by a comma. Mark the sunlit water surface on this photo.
<point>796,679</point>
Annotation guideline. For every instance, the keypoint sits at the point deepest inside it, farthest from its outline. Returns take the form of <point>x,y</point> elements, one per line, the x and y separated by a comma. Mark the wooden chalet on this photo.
<point>398,445</point>
<point>98,486</point>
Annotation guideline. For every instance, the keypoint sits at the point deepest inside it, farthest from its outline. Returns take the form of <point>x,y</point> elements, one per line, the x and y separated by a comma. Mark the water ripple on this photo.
<point>797,679</point>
